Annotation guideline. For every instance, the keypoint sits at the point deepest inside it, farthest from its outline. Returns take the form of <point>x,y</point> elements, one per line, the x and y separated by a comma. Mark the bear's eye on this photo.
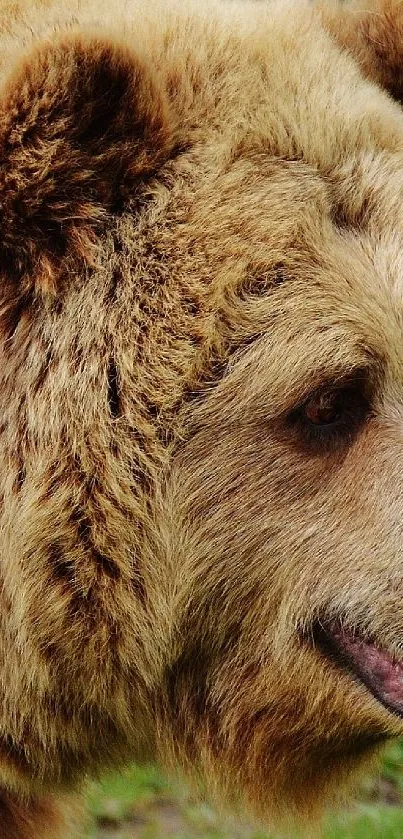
<point>326,408</point>
<point>332,415</point>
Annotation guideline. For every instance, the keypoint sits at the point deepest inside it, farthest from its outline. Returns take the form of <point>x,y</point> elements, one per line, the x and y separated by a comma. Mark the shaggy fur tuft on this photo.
<point>81,121</point>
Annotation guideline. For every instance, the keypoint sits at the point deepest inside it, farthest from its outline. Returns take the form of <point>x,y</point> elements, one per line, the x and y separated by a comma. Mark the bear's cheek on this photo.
<point>271,544</point>
<point>277,541</point>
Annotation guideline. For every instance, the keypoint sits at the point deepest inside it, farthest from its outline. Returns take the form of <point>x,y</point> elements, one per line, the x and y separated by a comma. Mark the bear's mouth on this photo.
<point>376,668</point>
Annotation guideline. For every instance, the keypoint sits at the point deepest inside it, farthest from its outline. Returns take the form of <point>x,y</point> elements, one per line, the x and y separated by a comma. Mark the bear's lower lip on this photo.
<point>375,667</point>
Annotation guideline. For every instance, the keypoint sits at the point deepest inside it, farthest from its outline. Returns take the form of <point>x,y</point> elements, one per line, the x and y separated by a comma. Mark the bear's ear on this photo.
<point>82,121</point>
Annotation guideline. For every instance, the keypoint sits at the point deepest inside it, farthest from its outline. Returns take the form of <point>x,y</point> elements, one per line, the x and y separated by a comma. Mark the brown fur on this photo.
<point>200,226</point>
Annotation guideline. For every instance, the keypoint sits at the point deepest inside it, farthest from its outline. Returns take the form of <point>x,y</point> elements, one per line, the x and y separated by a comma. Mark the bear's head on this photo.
<point>201,356</point>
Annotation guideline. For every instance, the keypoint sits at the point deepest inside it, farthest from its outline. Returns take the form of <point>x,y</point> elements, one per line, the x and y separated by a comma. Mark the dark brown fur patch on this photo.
<point>80,124</point>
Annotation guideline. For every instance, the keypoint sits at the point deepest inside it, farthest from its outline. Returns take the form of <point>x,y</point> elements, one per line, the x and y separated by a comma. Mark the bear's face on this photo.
<point>201,448</point>
<point>286,498</point>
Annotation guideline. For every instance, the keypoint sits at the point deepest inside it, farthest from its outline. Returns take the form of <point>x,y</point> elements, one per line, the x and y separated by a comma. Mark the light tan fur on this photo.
<point>200,227</point>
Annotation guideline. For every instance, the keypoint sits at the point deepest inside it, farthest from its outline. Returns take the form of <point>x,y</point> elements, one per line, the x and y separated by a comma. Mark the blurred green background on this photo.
<point>142,804</point>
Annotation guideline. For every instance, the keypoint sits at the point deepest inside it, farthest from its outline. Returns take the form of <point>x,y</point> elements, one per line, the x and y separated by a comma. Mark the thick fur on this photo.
<point>200,226</point>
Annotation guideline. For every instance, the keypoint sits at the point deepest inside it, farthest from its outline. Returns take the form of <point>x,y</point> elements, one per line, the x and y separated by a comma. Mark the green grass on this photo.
<point>142,804</point>
<point>369,822</point>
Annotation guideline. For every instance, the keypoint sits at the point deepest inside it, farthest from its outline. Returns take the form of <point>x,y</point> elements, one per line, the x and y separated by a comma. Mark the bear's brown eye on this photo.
<point>332,416</point>
<point>326,408</point>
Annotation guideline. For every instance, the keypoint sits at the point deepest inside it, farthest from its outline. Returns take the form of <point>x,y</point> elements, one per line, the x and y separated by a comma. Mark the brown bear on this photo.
<point>201,373</point>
